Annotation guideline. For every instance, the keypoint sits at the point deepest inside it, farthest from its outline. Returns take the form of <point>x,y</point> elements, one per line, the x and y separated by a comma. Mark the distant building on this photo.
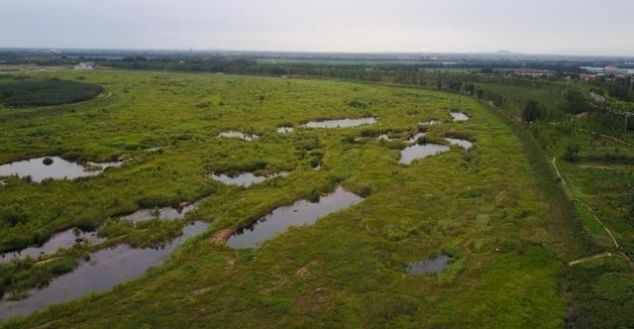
<point>532,73</point>
<point>85,66</point>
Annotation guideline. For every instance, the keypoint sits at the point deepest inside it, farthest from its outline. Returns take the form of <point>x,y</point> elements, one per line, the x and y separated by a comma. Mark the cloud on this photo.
<point>536,26</point>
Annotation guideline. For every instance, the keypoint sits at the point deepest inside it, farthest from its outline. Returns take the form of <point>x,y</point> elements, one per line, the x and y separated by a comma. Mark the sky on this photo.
<point>584,27</point>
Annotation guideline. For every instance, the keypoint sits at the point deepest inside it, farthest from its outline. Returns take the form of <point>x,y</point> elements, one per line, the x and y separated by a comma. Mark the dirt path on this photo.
<point>607,230</point>
<point>583,260</point>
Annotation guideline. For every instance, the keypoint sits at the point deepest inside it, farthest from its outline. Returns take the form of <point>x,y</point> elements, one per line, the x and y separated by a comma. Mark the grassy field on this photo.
<point>485,206</point>
<point>599,183</point>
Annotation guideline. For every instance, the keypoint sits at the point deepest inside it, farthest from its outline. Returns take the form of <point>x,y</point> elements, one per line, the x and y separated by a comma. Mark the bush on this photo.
<point>12,215</point>
<point>47,161</point>
<point>531,111</point>
<point>314,196</point>
<point>572,152</point>
<point>47,92</point>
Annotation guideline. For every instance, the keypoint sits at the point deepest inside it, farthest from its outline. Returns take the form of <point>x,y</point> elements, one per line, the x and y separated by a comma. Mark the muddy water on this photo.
<point>342,123</point>
<point>106,269</point>
<point>465,144</point>
<point>59,169</point>
<point>427,266</point>
<point>164,213</point>
<point>237,134</point>
<point>245,179</point>
<point>61,240</point>
<point>300,213</point>
<point>415,152</point>
<point>459,116</point>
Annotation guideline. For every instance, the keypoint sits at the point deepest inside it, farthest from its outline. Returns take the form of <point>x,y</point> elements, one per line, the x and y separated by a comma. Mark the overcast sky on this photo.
<point>603,27</point>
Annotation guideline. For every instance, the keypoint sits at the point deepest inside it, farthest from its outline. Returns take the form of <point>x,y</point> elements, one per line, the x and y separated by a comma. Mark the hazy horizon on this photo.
<point>401,26</point>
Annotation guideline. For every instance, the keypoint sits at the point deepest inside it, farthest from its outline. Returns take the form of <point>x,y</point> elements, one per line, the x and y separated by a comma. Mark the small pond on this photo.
<point>465,144</point>
<point>164,213</point>
<point>459,116</point>
<point>415,152</point>
<point>414,139</point>
<point>341,123</point>
<point>429,123</point>
<point>237,134</point>
<point>428,266</point>
<point>301,212</point>
<point>384,137</point>
<point>105,269</point>
<point>245,179</point>
<point>285,130</point>
<point>58,169</point>
<point>62,240</point>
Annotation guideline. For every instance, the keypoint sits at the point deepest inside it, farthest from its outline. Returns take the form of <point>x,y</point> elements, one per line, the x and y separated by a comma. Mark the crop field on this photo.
<point>483,207</point>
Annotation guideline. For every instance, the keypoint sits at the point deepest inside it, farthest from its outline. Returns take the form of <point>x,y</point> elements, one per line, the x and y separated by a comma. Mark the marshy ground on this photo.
<point>481,206</point>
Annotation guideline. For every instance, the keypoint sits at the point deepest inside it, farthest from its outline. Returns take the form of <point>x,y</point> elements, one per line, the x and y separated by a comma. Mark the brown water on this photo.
<point>106,269</point>
<point>61,240</point>
<point>341,123</point>
<point>245,179</point>
<point>59,169</point>
<point>299,213</point>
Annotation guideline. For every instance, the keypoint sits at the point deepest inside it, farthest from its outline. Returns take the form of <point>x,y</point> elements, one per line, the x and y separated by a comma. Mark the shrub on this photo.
<point>531,111</point>
<point>572,152</point>
<point>313,196</point>
<point>47,92</point>
<point>12,215</point>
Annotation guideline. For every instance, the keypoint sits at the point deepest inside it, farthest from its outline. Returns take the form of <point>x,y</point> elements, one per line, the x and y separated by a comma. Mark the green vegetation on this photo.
<point>499,208</point>
<point>23,92</point>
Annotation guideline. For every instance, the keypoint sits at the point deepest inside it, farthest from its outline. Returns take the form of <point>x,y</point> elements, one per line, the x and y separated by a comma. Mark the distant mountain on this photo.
<point>506,53</point>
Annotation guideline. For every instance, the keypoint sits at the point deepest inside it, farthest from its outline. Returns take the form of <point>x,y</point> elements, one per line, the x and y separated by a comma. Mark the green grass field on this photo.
<point>485,206</point>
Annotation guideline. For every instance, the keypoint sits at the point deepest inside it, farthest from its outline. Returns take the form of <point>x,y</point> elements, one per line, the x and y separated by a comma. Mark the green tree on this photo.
<point>572,152</point>
<point>531,111</point>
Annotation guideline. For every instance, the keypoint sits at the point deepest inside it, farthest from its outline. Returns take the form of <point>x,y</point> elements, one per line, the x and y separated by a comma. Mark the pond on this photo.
<point>301,212</point>
<point>62,240</point>
<point>465,144</point>
<point>164,213</point>
<point>58,169</point>
<point>105,269</point>
<point>237,134</point>
<point>339,123</point>
<point>420,151</point>
<point>285,130</point>
<point>429,266</point>
<point>414,139</point>
<point>245,179</point>
<point>459,116</point>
